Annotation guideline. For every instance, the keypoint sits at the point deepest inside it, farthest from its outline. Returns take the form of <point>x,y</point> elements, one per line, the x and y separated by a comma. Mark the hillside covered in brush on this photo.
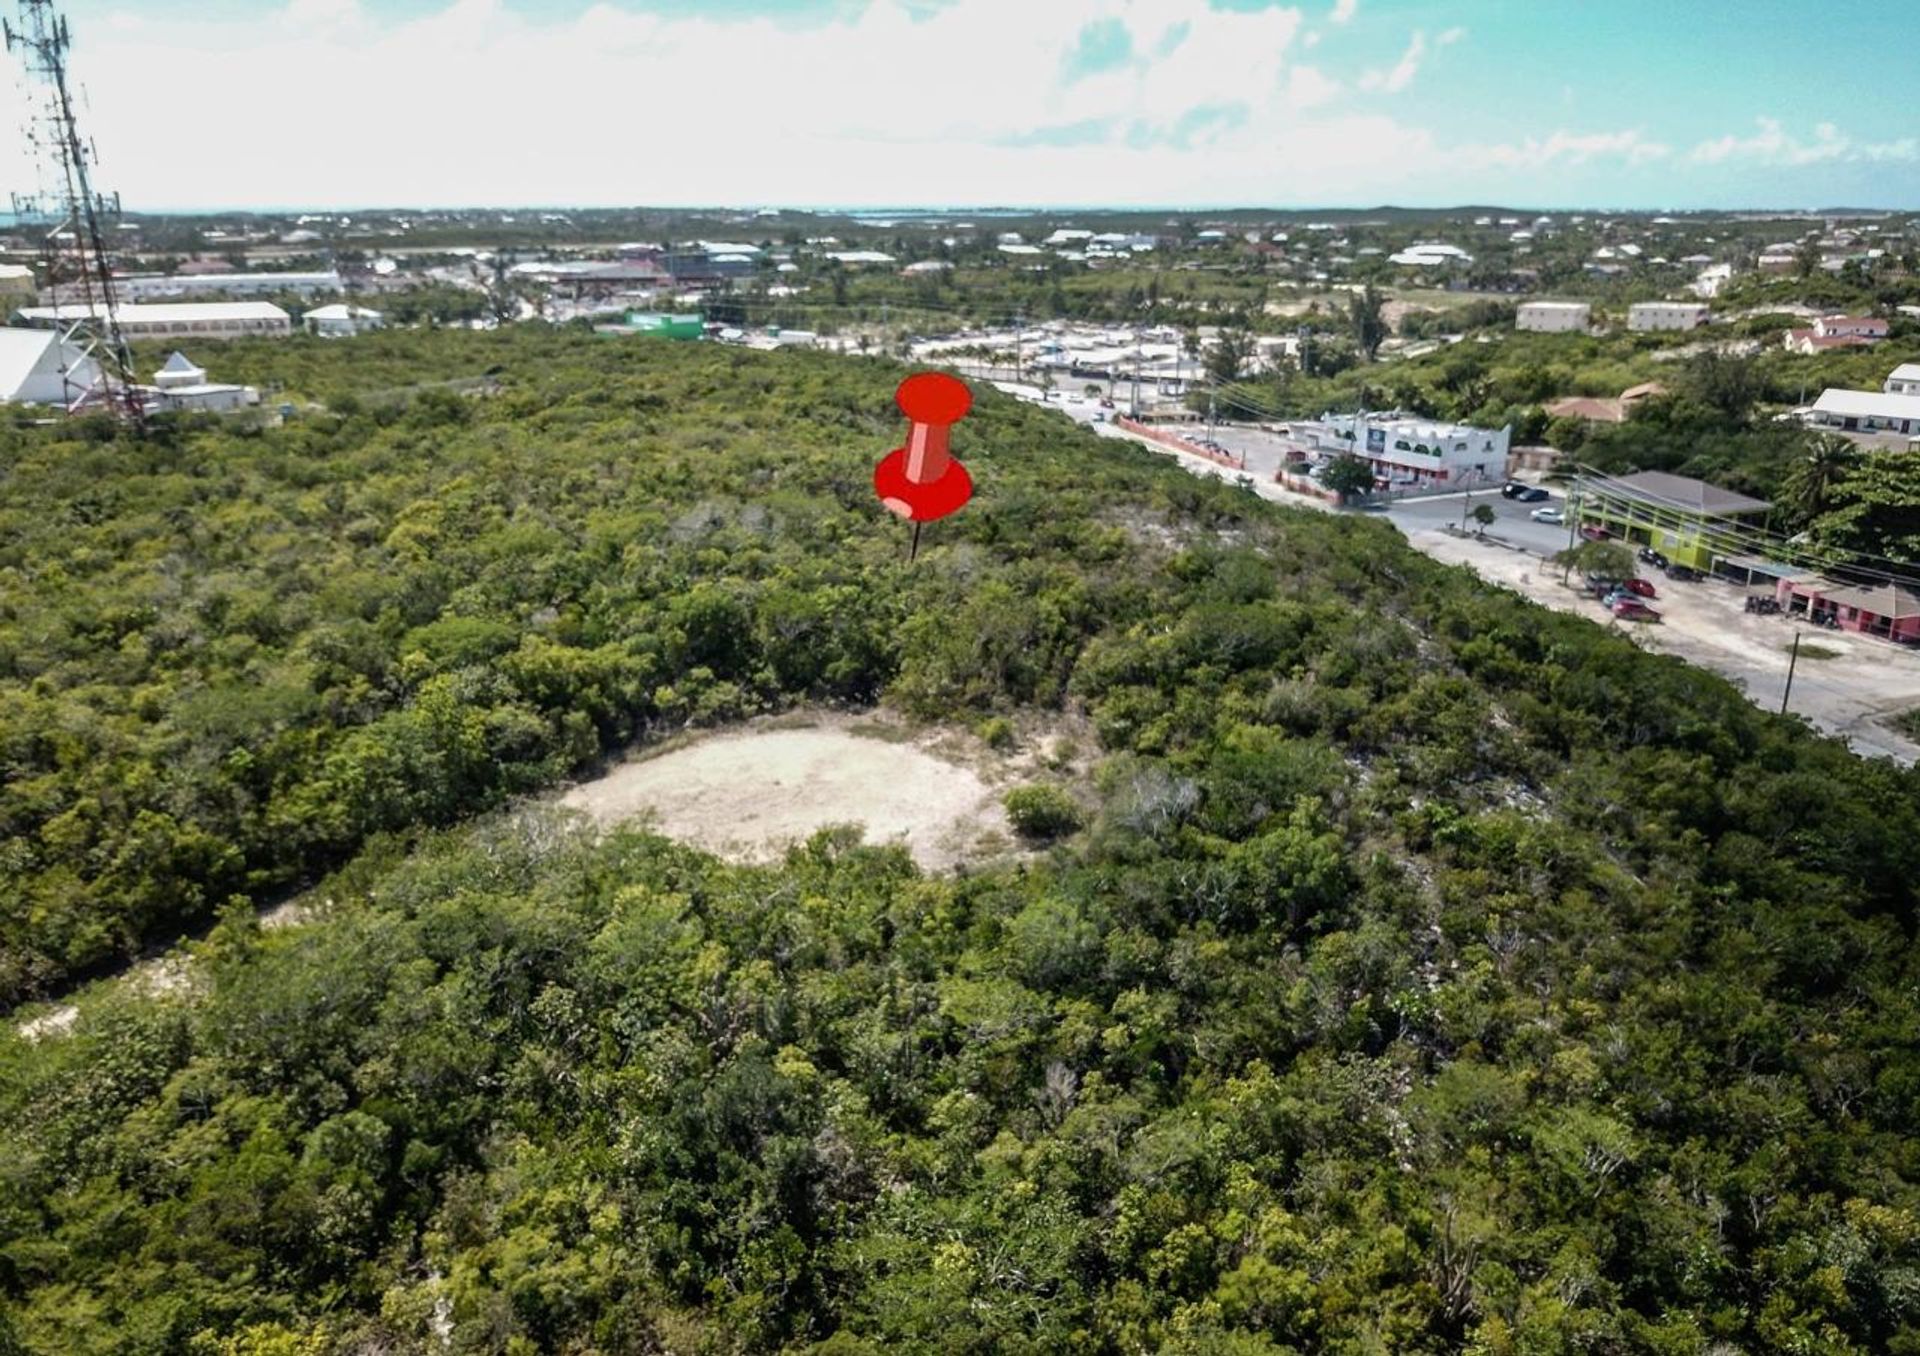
<point>1427,972</point>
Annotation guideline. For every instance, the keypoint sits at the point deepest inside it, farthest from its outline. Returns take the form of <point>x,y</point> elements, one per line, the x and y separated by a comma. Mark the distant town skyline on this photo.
<point>909,104</point>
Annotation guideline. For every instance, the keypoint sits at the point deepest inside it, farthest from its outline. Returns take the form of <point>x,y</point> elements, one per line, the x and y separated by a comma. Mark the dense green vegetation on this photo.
<point>1431,972</point>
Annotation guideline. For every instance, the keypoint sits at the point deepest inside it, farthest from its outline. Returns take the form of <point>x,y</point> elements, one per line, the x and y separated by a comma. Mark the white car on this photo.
<point>1548,514</point>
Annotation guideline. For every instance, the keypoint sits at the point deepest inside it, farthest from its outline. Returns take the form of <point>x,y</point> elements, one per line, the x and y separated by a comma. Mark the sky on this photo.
<point>1662,104</point>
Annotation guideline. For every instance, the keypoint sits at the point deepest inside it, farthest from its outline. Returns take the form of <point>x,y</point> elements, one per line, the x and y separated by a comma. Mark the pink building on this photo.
<point>1889,611</point>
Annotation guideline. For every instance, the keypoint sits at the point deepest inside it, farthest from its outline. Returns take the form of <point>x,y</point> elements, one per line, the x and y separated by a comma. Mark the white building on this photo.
<point>1667,315</point>
<point>1903,380</point>
<point>1406,452</point>
<point>1865,412</point>
<point>1554,317</point>
<point>38,368</point>
<point>857,258</point>
<point>16,280</point>
<point>228,284</point>
<point>180,385</point>
<point>1430,256</point>
<point>195,320</point>
<point>1708,282</point>
<point>1066,236</point>
<point>1868,327</point>
<point>340,320</point>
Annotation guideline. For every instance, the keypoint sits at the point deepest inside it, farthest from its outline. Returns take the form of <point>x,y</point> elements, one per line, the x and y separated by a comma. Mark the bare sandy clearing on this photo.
<point>750,793</point>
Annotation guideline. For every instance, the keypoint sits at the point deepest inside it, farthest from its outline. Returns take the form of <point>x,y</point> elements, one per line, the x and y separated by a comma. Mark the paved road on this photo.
<point>1512,523</point>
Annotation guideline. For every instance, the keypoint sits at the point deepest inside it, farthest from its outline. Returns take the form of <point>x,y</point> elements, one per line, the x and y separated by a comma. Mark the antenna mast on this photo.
<point>101,375</point>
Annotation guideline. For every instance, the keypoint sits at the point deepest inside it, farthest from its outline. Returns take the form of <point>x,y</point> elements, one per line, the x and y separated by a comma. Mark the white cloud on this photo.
<point>1450,37</point>
<point>1400,75</point>
<point>1772,144</point>
<point>1310,87</point>
<point>1561,148</point>
<point>333,102</point>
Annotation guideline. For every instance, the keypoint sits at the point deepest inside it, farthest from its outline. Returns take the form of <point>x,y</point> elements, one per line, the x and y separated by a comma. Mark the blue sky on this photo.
<point>1550,103</point>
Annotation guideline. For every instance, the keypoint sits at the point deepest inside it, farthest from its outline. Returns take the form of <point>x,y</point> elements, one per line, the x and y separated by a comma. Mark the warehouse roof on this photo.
<point>175,313</point>
<point>1682,492</point>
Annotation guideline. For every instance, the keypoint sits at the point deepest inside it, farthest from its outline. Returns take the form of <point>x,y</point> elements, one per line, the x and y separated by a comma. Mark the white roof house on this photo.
<point>1430,256</point>
<point>37,368</point>
<point>341,319</point>
<point>179,370</point>
<point>1903,380</point>
<point>1865,411</point>
<point>180,384</point>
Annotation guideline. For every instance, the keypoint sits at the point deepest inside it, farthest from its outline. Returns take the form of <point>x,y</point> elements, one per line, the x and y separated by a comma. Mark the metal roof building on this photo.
<point>200,320</point>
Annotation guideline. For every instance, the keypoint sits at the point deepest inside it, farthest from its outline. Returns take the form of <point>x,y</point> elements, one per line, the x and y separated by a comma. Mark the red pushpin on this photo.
<point>922,481</point>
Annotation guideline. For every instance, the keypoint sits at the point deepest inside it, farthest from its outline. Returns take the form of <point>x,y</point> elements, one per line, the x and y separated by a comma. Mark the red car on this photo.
<point>1632,609</point>
<point>1594,533</point>
<point>1642,587</point>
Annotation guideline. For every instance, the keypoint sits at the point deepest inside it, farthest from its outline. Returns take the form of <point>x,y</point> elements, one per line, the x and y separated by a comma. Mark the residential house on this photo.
<point>1647,316</point>
<point>339,321</point>
<point>182,385</point>
<point>1903,380</point>
<point>1554,317</point>
<point>1846,411</point>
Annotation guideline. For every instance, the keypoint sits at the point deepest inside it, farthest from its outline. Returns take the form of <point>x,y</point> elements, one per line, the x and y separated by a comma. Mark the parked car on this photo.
<point>1548,515</point>
<point>1684,573</point>
<point>1649,556</point>
<point>1644,588</point>
<point>1594,532</point>
<point>1525,493</point>
<point>1600,584</point>
<point>1632,609</point>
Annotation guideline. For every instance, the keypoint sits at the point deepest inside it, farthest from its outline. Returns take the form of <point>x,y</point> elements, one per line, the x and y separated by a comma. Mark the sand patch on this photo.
<point>749,794</point>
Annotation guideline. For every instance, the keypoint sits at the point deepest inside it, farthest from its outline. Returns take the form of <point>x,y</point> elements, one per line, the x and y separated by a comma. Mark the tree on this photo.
<point>1484,518</point>
<point>1807,488</point>
<point>1874,509</point>
<point>1369,328</point>
<point>1607,558</point>
<point>1228,358</point>
<point>1347,476</point>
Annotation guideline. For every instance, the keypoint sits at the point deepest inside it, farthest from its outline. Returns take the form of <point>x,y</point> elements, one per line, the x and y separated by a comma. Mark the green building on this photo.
<point>663,326</point>
<point>1688,521</point>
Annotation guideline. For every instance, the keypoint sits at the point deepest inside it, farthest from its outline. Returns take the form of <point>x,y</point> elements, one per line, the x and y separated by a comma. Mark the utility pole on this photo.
<point>1793,661</point>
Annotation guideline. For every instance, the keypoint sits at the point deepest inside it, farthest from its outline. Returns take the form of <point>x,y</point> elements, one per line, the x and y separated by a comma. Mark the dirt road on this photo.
<point>1849,693</point>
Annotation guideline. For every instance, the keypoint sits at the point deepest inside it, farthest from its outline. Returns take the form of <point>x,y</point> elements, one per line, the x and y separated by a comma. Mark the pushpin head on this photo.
<point>933,398</point>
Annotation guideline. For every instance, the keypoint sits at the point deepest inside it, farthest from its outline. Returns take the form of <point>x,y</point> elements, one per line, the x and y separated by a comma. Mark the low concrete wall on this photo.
<point>1305,485</point>
<point>1179,444</point>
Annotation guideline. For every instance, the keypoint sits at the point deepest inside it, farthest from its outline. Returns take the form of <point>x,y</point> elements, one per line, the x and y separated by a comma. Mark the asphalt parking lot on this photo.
<point>1512,521</point>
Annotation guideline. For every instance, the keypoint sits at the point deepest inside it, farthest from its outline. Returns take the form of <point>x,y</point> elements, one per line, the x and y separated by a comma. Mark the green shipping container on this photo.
<point>667,326</point>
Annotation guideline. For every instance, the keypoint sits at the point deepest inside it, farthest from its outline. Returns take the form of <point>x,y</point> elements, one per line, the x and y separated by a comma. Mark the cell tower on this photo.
<point>100,375</point>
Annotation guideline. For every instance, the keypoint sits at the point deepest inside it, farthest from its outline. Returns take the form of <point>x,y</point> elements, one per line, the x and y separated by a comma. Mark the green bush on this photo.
<point>1041,812</point>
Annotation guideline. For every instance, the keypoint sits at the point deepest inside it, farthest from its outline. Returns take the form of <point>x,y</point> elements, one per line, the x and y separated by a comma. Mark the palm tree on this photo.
<point>1807,488</point>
